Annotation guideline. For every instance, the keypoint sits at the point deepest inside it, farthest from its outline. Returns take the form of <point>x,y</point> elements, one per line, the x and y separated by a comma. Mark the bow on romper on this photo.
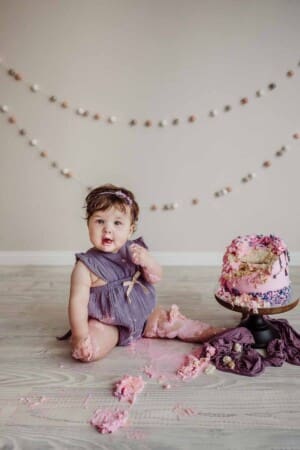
<point>127,299</point>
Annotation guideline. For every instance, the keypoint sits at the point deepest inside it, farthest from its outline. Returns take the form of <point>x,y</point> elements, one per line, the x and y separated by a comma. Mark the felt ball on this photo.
<point>244,101</point>
<point>52,98</point>
<point>64,104</point>
<point>4,108</point>
<point>296,135</point>
<point>66,172</point>
<point>148,123</point>
<point>80,111</point>
<point>192,118</point>
<point>226,359</point>
<point>12,119</point>
<point>96,116</point>
<point>175,121</point>
<point>237,347</point>
<point>227,108</point>
<point>290,73</point>
<point>153,207</point>
<point>11,72</point>
<point>259,93</point>
<point>162,123</point>
<point>231,365</point>
<point>18,77</point>
<point>34,87</point>
<point>54,164</point>
<point>266,164</point>
<point>112,119</point>
<point>33,142</point>
<point>22,132</point>
<point>272,86</point>
<point>43,154</point>
<point>195,201</point>
<point>213,113</point>
<point>133,122</point>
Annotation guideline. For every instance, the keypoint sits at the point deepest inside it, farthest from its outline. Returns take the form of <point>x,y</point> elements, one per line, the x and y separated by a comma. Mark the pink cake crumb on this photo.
<point>194,364</point>
<point>136,435</point>
<point>128,387</point>
<point>182,411</point>
<point>107,421</point>
<point>32,402</point>
<point>85,403</point>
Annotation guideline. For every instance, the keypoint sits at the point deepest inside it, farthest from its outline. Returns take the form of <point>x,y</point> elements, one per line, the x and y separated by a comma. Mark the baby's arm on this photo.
<point>78,311</point>
<point>152,271</point>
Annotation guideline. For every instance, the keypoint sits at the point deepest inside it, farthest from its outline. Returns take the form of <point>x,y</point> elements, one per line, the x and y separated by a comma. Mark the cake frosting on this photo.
<point>255,272</point>
<point>128,387</point>
<point>109,421</point>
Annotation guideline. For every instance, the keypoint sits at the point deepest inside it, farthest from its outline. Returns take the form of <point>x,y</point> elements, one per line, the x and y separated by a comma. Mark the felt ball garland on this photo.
<point>171,206</point>
<point>133,122</point>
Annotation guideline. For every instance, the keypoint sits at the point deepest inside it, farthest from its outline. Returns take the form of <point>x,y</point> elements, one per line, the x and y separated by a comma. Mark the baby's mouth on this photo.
<point>107,241</point>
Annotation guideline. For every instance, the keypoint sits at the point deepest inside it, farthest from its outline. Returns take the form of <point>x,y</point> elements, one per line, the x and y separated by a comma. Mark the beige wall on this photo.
<point>151,59</point>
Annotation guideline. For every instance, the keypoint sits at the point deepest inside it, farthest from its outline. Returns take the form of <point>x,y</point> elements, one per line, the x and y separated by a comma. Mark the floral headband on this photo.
<point>119,194</point>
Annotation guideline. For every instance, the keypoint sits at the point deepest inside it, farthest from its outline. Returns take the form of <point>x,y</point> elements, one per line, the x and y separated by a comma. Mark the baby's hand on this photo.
<point>139,255</point>
<point>82,348</point>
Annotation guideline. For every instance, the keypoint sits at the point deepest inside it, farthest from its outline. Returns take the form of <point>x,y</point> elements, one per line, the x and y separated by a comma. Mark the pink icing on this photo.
<point>107,421</point>
<point>260,278</point>
<point>128,387</point>
<point>171,324</point>
<point>195,363</point>
<point>243,300</point>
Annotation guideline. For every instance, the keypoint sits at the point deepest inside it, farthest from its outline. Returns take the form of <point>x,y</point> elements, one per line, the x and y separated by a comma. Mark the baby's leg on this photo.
<point>172,324</point>
<point>103,338</point>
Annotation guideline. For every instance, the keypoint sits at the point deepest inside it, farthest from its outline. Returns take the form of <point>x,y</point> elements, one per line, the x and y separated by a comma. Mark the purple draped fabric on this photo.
<point>236,346</point>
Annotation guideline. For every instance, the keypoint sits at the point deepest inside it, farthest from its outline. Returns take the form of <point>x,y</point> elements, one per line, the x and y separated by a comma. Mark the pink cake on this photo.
<point>255,272</point>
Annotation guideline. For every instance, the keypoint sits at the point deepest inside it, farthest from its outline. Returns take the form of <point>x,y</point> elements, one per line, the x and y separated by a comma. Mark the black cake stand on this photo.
<point>262,330</point>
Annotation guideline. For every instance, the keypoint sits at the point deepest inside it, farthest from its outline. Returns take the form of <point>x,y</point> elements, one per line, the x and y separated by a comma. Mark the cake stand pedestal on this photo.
<point>262,330</point>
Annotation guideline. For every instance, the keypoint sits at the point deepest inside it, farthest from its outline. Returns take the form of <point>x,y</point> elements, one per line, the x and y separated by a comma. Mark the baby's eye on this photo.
<point>100,221</point>
<point>117,222</point>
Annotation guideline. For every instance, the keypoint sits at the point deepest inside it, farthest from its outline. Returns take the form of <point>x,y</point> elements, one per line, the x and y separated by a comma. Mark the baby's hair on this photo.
<point>108,195</point>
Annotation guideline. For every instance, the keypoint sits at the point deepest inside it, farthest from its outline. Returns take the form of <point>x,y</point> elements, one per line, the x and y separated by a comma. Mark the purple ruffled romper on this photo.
<point>127,299</point>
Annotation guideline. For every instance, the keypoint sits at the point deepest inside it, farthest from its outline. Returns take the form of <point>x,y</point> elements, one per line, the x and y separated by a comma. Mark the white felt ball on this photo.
<point>34,87</point>
<point>162,123</point>
<point>259,93</point>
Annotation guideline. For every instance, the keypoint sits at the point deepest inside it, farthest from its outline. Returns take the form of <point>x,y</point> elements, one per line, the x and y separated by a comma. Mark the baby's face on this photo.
<point>110,229</point>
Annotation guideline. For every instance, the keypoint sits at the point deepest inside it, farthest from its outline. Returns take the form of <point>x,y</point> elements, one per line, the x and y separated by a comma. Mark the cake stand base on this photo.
<point>262,330</point>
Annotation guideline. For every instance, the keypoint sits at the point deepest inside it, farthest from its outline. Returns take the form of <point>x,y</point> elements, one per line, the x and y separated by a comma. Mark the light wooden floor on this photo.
<point>226,411</point>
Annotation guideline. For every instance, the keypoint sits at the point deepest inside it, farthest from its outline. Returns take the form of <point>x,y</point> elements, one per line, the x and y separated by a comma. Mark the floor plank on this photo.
<point>47,399</point>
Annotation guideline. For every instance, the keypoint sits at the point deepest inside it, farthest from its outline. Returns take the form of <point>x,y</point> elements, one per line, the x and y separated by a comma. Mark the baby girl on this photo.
<point>112,295</point>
